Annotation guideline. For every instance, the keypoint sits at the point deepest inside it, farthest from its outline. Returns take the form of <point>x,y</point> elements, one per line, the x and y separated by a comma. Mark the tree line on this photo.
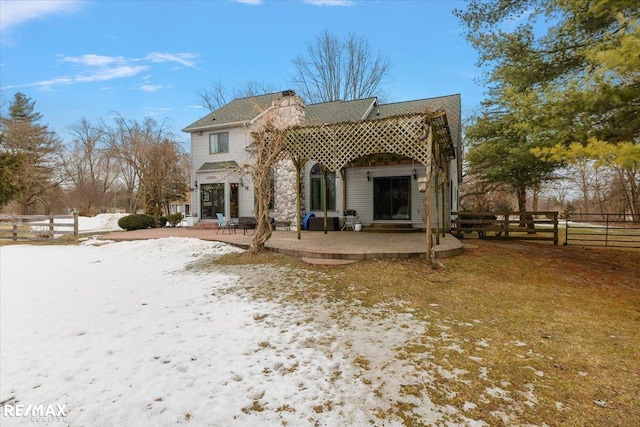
<point>127,165</point>
<point>562,105</point>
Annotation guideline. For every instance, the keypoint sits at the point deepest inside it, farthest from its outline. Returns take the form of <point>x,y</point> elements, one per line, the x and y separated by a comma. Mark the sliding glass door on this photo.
<point>392,198</point>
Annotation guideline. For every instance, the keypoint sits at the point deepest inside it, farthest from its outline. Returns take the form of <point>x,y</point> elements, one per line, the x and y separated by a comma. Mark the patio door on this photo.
<point>392,198</point>
<point>212,200</point>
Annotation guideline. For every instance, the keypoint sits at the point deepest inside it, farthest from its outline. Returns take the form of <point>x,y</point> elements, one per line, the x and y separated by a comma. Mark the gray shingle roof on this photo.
<point>245,109</point>
<point>238,110</point>
<point>450,103</point>
<point>338,111</point>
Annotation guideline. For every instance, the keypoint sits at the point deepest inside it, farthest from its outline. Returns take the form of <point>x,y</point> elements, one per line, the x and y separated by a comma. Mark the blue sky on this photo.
<point>149,58</point>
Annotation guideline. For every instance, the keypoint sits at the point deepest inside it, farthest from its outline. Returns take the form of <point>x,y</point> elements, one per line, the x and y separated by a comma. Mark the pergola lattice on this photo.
<point>336,145</point>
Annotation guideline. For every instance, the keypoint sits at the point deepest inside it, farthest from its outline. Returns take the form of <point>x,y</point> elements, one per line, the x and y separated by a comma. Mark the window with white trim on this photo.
<point>219,143</point>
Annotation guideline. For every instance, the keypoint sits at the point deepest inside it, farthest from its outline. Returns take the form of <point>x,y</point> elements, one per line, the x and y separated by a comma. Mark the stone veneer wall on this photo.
<point>286,111</point>
<point>284,206</point>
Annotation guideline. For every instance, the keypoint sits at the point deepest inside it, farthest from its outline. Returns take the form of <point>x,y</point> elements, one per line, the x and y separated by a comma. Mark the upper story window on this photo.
<point>219,143</point>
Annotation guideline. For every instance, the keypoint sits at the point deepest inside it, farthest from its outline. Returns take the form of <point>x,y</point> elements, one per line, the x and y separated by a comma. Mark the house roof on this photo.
<point>244,110</point>
<point>449,103</point>
<point>216,166</point>
<point>338,111</point>
<point>238,111</point>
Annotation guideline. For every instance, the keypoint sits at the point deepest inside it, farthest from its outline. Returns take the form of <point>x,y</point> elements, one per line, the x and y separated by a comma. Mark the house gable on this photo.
<point>236,112</point>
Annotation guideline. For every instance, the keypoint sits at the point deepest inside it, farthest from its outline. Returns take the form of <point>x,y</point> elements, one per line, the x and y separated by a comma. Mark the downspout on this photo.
<point>324,196</point>
<point>343,176</point>
<point>298,165</point>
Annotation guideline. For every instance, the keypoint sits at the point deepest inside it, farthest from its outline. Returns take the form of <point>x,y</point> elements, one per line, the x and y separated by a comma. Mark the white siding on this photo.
<point>239,139</point>
<point>360,192</point>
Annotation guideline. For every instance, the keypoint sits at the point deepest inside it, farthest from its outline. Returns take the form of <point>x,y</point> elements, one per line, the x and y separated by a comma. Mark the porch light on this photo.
<point>368,176</point>
<point>415,173</point>
<point>195,183</point>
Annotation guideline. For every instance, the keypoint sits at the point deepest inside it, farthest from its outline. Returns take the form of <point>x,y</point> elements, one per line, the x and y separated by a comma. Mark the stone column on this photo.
<point>286,112</point>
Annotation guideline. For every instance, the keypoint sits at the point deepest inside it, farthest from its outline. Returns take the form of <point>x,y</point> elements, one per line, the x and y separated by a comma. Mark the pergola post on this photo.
<point>324,195</point>
<point>298,162</point>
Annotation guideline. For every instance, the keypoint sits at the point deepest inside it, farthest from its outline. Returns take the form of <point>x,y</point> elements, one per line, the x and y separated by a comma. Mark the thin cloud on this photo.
<point>149,88</point>
<point>251,2</point>
<point>91,60</point>
<point>100,68</point>
<point>13,13</point>
<point>180,58</point>
<point>112,73</point>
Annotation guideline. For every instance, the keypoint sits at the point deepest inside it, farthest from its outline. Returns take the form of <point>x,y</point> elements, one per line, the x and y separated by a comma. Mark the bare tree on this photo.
<point>151,164</point>
<point>89,167</point>
<point>213,97</point>
<point>218,94</point>
<point>335,69</point>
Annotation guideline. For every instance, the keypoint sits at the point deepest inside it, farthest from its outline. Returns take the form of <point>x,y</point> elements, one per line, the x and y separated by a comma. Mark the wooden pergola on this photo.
<point>424,137</point>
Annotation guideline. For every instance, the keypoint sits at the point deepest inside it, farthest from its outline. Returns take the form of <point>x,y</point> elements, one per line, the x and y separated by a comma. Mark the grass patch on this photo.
<point>523,333</point>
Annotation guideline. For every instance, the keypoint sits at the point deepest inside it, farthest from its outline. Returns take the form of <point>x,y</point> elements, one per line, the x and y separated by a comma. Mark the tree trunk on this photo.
<point>261,179</point>
<point>526,220</point>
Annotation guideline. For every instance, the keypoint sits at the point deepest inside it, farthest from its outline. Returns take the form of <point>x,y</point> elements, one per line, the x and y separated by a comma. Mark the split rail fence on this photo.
<point>38,227</point>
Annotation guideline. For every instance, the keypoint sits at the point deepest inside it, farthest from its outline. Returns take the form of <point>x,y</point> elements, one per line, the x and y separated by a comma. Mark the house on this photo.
<point>381,186</point>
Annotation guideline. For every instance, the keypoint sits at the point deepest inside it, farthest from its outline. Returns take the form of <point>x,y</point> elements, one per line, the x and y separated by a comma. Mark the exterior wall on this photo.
<point>239,139</point>
<point>286,111</point>
<point>360,193</point>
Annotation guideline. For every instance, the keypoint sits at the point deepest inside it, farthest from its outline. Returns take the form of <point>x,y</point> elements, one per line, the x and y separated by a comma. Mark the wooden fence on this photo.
<point>39,227</point>
<point>507,225</point>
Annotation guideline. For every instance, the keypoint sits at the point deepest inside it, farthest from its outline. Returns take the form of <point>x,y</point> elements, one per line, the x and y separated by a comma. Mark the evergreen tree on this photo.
<point>36,150</point>
<point>576,80</point>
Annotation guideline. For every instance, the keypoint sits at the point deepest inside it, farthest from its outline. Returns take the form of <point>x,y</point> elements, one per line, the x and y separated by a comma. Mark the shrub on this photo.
<point>175,218</point>
<point>161,221</point>
<point>137,222</point>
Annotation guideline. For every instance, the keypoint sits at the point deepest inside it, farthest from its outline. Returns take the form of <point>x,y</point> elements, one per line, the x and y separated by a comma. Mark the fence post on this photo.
<point>566,231</point>
<point>606,232</point>
<point>75,224</point>
<point>14,228</point>
<point>50,226</point>
<point>507,220</point>
<point>555,228</point>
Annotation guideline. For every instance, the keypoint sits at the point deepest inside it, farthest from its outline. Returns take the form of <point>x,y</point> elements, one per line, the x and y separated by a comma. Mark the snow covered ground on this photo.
<point>100,222</point>
<point>127,334</point>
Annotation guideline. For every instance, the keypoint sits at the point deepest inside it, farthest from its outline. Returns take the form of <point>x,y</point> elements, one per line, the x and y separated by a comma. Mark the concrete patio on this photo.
<point>335,245</point>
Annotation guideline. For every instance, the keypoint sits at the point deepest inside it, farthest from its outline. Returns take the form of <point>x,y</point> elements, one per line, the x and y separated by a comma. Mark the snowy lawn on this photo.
<point>132,334</point>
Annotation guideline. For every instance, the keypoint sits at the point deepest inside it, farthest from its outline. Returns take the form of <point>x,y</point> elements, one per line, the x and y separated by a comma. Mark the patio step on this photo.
<point>205,225</point>
<point>390,228</point>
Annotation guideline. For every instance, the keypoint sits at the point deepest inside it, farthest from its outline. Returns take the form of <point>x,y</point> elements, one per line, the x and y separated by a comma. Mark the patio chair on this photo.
<point>350,222</point>
<point>225,224</point>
